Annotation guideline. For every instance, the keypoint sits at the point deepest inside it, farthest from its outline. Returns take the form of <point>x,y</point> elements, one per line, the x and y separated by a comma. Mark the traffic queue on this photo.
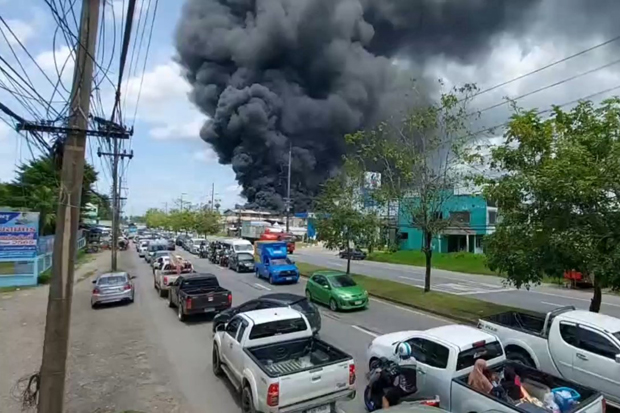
<point>272,352</point>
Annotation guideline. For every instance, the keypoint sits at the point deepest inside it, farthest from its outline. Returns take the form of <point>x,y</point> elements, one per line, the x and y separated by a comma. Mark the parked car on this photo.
<point>241,261</point>
<point>156,255</point>
<point>111,288</point>
<point>143,248</point>
<point>261,353</point>
<point>294,301</point>
<point>336,289</point>
<point>444,356</point>
<point>154,247</point>
<point>576,345</point>
<point>171,244</point>
<point>198,294</point>
<point>355,253</point>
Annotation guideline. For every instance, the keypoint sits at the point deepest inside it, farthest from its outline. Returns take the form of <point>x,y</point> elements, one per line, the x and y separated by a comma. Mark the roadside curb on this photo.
<point>462,320</point>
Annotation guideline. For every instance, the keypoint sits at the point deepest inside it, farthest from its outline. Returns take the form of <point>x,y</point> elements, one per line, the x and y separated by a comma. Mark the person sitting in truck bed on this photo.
<point>478,379</point>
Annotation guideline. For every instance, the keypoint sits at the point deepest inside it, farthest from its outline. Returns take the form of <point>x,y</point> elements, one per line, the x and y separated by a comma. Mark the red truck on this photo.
<point>280,236</point>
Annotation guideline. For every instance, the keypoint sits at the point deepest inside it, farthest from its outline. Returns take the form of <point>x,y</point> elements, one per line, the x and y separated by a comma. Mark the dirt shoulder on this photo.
<point>112,365</point>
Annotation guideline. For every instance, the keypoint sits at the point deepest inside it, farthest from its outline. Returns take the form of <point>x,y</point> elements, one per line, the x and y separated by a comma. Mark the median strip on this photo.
<point>459,308</point>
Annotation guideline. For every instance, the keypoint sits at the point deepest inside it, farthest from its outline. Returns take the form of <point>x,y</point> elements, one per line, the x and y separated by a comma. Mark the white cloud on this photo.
<point>22,30</point>
<point>52,61</point>
<point>206,156</point>
<point>164,103</point>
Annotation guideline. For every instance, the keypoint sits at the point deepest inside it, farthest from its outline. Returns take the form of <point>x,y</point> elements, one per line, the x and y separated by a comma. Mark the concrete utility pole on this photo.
<point>212,196</point>
<point>116,196</point>
<point>288,190</point>
<point>57,322</point>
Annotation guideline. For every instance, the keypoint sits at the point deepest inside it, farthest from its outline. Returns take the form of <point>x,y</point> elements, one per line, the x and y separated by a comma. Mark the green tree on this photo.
<point>341,216</point>
<point>557,184</point>
<point>420,159</point>
<point>36,188</point>
<point>207,221</point>
<point>156,218</point>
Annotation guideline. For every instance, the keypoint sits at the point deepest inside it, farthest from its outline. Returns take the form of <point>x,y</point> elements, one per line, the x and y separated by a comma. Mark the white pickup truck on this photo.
<point>444,357</point>
<point>273,359</point>
<point>165,277</point>
<point>580,346</point>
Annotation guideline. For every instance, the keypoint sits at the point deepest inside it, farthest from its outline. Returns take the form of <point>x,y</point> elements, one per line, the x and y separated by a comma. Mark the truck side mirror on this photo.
<point>95,282</point>
<point>220,327</point>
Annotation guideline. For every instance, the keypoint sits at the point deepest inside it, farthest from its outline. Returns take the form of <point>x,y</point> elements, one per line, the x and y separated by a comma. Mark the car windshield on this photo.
<point>343,280</point>
<point>303,306</point>
<point>280,261</point>
<point>246,257</point>
<point>112,280</point>
<point>243,247</point>
<point>488,351</point>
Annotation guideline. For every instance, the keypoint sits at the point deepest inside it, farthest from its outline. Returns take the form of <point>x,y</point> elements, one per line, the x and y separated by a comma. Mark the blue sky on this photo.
<point>170,158</point>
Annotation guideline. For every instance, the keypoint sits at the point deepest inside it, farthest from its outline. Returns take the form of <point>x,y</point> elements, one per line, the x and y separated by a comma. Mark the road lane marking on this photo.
<point>262,286</point>
<point>499,290</point>
<point>553,304</point>
<point>363,330</point>
<point>409,310</point>
<point>568,297</point>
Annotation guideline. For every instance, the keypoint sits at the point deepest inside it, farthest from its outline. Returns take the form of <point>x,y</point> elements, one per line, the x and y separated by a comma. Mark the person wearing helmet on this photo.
<point>403,383</point>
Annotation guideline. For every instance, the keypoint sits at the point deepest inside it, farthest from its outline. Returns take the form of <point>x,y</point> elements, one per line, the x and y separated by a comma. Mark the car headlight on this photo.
<point>365,293</point>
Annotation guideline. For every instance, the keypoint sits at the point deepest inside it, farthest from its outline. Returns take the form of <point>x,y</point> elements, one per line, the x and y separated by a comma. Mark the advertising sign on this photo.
<point>19,232</point>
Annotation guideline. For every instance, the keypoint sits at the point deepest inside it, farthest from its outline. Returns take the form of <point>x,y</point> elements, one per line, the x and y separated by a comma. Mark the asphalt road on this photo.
<point>483,287</point>
<point>186,347</point>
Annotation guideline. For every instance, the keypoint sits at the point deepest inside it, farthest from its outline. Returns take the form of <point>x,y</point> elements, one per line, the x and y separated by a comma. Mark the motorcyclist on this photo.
<point>393,383</point>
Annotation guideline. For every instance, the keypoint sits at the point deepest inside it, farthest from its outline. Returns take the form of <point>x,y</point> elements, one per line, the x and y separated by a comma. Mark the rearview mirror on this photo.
<point>220,327</point>
<point>132,277</point>
<point>95,282</point>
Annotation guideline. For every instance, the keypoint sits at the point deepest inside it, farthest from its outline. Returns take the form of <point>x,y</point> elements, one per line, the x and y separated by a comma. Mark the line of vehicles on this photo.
<point>269,348</point>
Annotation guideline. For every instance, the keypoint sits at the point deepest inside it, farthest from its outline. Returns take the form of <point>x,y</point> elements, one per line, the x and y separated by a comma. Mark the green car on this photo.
<point>336,289</point>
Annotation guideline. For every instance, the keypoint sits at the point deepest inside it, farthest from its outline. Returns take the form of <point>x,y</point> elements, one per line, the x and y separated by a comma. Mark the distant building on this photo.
<point>472,217</point>
<point>232,217</point>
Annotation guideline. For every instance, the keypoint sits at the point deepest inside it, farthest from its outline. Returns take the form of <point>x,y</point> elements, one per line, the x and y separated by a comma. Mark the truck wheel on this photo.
<point>180,312</point>
<point>215,360</point>
<point>332,305</point>
<point>162,293</point>
<point>521,358</point>
<point>308,296</point>
<point>170,301</point>
<point>271,279</point>
<point>247,404</point>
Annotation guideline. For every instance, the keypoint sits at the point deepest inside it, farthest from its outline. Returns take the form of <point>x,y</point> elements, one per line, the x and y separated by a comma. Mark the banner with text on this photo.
<point>19,232</point>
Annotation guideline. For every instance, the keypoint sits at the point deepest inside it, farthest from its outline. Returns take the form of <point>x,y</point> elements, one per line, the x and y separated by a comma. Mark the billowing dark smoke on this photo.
<point>274,73</point>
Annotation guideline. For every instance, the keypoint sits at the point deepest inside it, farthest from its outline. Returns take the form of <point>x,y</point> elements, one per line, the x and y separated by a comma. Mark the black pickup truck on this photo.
<point>198,294</point>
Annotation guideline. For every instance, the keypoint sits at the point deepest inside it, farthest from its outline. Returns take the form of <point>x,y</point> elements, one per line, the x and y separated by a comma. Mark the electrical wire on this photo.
<point>540,69</point>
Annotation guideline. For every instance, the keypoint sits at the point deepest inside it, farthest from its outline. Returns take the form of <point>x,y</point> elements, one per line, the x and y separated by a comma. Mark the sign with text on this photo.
<point>19,232</point>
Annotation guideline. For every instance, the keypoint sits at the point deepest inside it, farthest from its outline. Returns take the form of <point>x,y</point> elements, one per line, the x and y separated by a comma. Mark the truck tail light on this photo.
<point>127,287</point>
<point>604,405</point>
<point>273,395</point>
<point>351,374</point>
<point>433,403</point>
<point>96,290</point>
<point>229,299</point>
<point>188,303</point>
<point>165,280</point>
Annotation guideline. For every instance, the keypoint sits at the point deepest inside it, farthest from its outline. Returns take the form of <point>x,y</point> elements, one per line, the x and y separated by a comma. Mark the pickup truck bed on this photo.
<point>281,359</point>
<point>527,323</point>
<point>588,396</point>
<point>205,299</point>
<point>198,294</point>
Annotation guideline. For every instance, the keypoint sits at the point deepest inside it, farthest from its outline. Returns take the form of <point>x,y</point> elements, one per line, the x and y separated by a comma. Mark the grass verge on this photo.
<point>82,258</point>
<point>463,309</point>
<point>457,261</point>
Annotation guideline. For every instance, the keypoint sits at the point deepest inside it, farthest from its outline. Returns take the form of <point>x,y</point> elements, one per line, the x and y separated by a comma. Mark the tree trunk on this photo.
<point>595,304</point>
<point>428,254</point>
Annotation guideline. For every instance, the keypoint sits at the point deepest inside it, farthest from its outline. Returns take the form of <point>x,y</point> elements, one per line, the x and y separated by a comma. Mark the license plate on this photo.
<point>358,302</point>
<point>210,298</point>
<point>208,310</point>
<point>320,409</point>
<point>290,279</point>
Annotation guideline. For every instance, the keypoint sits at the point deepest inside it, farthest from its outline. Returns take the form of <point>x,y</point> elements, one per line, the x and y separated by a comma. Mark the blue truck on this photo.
<point>273,264</point>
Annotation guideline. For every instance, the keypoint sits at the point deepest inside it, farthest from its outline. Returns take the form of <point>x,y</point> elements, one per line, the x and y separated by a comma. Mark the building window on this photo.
<point>460,217</point>
<point>492,217</point>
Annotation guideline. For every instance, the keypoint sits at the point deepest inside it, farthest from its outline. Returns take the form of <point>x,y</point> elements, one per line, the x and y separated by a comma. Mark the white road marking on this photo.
<point>262,286</point>
<point>568,297</point>
<point>363,330</point>
<point>552,304</point>
<point>409,310</point>
<point>499,290</point>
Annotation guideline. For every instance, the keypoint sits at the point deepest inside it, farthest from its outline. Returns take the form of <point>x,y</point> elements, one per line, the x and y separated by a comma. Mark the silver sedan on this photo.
<point>111,288</point>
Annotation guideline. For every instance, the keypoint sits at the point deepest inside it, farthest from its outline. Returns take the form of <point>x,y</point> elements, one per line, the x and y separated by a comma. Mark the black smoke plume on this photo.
<point>274,73</point>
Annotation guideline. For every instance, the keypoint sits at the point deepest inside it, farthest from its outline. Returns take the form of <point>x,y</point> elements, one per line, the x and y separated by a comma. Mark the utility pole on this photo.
<point>116,196</point>
<point>212,196</point>
<point>288,190</point>
<point>57,322</point>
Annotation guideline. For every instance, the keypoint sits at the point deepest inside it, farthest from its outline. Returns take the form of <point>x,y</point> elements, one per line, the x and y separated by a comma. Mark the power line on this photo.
<point>540,69</point>
<point>568,79</point>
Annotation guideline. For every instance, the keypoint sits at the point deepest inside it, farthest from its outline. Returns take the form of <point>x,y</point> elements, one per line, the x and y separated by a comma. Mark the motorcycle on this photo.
<point>394,382</point>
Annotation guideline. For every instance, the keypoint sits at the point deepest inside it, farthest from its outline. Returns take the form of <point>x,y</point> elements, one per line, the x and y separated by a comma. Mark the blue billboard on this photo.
<point>19,232</point>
